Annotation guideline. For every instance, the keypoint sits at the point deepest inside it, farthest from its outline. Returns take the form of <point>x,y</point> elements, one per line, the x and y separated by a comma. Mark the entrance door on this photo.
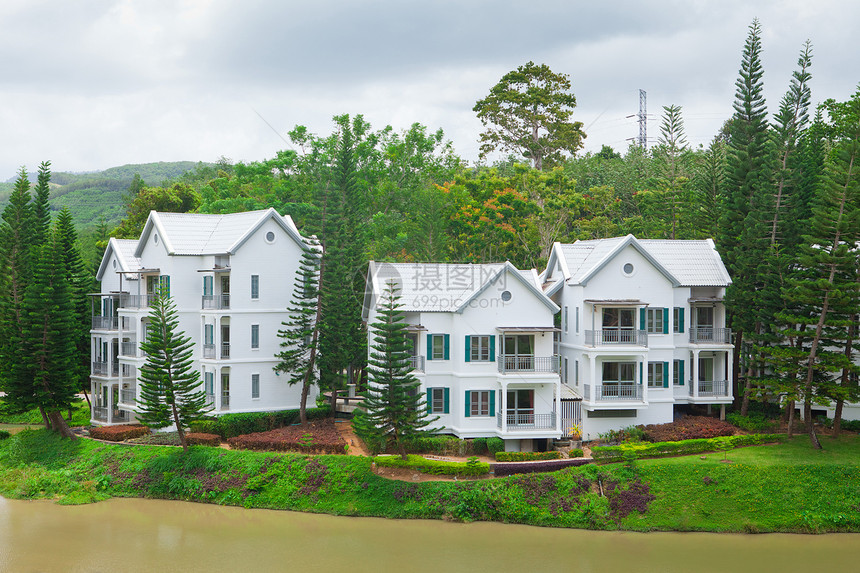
<point>618,325</point>
<point>225,390</point>
<point>706,374</point>
<point>225,341</point>
<point>519,352</point>
<point>521,407</point>
<point>225,291</point>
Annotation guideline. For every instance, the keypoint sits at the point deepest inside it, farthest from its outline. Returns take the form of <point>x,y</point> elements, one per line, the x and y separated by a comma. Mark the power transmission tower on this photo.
<point>642,140</point>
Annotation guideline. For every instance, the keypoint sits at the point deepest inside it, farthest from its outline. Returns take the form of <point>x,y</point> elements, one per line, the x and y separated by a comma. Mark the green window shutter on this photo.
<point>429,400</point>
<point>493,403</point>
<point>429,347</point>
<point>468,403</point>
<point>492,348</point>
<point>681,328</point>
<point>447,346</point>
<point>681,368</point>
<point>468,348</point>
<point>665,321</point>
<point>641,368</point>
<point>643,325</point>
<point>447,408</point>
<point>665,375</point>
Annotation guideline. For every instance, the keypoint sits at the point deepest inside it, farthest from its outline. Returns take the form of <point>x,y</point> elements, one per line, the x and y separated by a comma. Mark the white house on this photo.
<point>482,343</point>
<point>642,328</point>
<point>231,277</point>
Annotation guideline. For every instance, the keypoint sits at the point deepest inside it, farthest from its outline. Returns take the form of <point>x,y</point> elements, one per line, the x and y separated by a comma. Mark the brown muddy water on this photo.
<point>129,535</point>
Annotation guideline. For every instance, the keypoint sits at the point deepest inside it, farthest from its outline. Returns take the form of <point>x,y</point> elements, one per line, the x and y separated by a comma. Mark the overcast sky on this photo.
<point>93,84</point>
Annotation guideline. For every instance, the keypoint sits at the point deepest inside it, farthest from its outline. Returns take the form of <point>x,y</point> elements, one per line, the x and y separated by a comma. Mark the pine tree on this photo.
<point>41,207</point>
<point>171,391</point>
<point>673,159</point>
<point>395,408</point>
<point>300,334</point>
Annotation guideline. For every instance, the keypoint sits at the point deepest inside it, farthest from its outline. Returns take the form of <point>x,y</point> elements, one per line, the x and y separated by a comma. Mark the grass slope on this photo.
<point>765,488</point>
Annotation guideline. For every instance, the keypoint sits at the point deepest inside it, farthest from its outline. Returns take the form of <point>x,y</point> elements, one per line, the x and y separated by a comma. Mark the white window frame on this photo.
<point>479,403</point>
<point>255,386</point>
<point>255,337</point>
<point>479,348</point>
<point>441,339</point>
<point>654,320</point>
<point>437,400</point>
<point>655,374</point>
<point>255,287</point>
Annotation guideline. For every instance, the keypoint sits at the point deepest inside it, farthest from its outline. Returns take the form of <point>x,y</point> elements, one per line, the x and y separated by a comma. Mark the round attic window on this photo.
<point>506,295</point>
<point>114,263</point>
<point>155,238</point>
<point>270,237</point>
<point>627,268</point>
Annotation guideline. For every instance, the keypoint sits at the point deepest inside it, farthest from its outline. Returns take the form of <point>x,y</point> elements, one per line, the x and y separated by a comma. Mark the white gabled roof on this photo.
<point>444,287</point>
<point>205,234</point>
<point>683,262</point>
<point>124,249</point>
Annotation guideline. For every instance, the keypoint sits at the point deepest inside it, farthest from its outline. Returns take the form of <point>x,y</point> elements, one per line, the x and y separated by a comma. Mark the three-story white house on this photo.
<point>231,278</point>
<point>482,344</point>
<point>643,328</point>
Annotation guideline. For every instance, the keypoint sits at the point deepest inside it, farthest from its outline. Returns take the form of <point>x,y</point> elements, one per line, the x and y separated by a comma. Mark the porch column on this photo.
<point>695,380</point>
<point>592,366</point>
<point>644,376</point>
<point>730,383</point>
<point>556,405</point>
<point>503,404</point>
<point>216,388</point>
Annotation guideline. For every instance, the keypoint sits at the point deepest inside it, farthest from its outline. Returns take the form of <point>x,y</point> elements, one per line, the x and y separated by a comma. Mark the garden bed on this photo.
<point>317,437</point>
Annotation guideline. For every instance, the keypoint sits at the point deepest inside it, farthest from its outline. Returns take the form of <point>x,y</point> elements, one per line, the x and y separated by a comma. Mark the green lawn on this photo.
<point>80,416</point>
<point>786,487</point>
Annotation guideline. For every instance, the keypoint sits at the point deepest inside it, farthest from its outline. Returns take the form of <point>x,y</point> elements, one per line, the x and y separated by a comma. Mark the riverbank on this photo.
<point>781,488</point>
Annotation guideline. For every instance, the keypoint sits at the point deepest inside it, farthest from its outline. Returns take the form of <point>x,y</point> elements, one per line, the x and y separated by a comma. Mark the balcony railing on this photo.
<point>136,300</point>
<point>120,416</point>
<point>225,350</point>
<point>616,336</point>
<point>527,420</point>
<point>225,401</point>
<point>208,351</point>
<point>710,388</point>
<point>99,413</point>
<point>709,334</point>
<point>417,363</point>
<point>210,400</point>
<point>614,392</point>
<point>541,364</point>
<point>105,322</point>
<point>127,396</point>
<point>216,301</point>
<point>128,371</point>
<point>106,368</point>
<point>128,348</point>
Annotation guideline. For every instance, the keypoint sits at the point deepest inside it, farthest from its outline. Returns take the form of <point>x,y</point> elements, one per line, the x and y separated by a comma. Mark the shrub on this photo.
<point>575,453</point>
<point>634,434</point>
<point>118,433</point>
<point>200,439</point>
<point>526,456</point>
<point>681,448</point>
<point>437,445</point>
<point>436,467</point>
<point>4,434</point>
<point>688,428</point>
<point>851,425</point>
<point>511,468</point>
<point>232,425</point>
<point>479,446</point>
<point>755,422</point>
<point>495,445</point>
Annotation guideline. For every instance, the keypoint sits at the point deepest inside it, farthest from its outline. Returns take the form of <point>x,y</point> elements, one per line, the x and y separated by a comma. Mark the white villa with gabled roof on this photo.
<point>643,328</point>
<point>482,343</point>
<point>231,277</point>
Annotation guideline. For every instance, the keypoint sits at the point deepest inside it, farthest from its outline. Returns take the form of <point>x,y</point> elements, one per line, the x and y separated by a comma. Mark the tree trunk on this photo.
<point>45,419</point>
<point>89,404</point>
<point>846,379</point>
<point>790,431</point>
<point>837,418</point>
<point>179,429</point>
<point>59,424</point>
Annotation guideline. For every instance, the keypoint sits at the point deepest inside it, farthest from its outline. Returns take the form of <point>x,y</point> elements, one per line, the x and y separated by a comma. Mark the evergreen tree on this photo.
<point>301,335</point>
<point>708,180</point>
<point>171,391</point>
<point>673,159</point>
<point>396,410</point>
<point>41,207</point>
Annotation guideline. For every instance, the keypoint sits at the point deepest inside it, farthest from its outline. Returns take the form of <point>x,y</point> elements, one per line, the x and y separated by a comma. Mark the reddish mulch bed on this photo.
<point>317,437</point>
<point>688,428</point>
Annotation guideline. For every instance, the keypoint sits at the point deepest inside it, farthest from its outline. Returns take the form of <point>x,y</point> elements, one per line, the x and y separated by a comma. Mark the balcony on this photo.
<point>225,401</point>
<point>225,350</point>
<point>416,363</point>
<point>710,335</point>
<point>105,322</point>
<point>99,413</point>
<point>128,396</point>
<point>208,351</point>
<point>128,371</point>
<point>620,336</point>
<point>517,363</point>
<point>710,388</point>
<point>129,348</point>
<point>136,301</point>
<point>215,302</point>
<point>525,420</point>
<point>105,369</point>
<point>609,392</point>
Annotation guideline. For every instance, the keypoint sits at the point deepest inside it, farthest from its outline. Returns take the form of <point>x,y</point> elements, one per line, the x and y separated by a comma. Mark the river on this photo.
<point>128,535</point>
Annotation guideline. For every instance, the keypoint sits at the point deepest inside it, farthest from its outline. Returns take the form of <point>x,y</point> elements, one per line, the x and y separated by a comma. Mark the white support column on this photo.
<point>644,377</point>
<point>503,405</point>
<point>730,360</point>
<point>556,405</point>
<point>592,375</point>
<point>695,380</point>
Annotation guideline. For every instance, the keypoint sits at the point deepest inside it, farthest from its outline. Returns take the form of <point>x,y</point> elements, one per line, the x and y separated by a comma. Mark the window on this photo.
<point>565,371</point>
<point>270,237</point>
<point>208,285</point>
<point>506,296</point>
<point>255,385</point>
<point>565,319</point>
<point>678,372</point>
<point>209,334</point>
<point>480,403</point>
<point>255,286</point>
<point>628,268</point>
<point>438,400</point>
<point>480,348</point>
<point>654,323</point>
<point>209,383</point>
<point>619,372</point>
<point>576,372</point>
<point>438,346</point>
<point>705,316</point>
<point>655,374</point>
<point>255,336</point>
<point>577,320</point>
<point>677,320</point>
<point>615,318</point>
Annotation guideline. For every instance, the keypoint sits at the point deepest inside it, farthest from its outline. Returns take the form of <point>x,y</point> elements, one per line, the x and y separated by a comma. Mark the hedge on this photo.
<point>232,425</point>
<point>267,444</point>
<point>4,434</point>
<point>118,433</point>
<point>435,467</point>
<point>495,445</point>
<point>199,439</point>
<point>575,453</point>
<point>507,469</point>
<point>685,447</point>
<point>526,456</point>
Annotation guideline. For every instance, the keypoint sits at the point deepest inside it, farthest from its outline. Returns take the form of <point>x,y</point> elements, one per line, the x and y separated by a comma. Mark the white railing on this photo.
<point>416,363</point>
<point>128,371</point>
<point>709,334</point>
<point>616,336</point>
<point>100,368</point>
<point>215,301</point>
<point>614,392</point>
<point>527,420</point>
<point>105,322</point>
<point>100,413</point>
<point>516,363</point>
<point>208,351</point>
<point>225,401</point>
<point>128,348</point>
<point>225,350</point>
<point>710,388</point>
<point>136,300</point>
<point>128,396</point>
